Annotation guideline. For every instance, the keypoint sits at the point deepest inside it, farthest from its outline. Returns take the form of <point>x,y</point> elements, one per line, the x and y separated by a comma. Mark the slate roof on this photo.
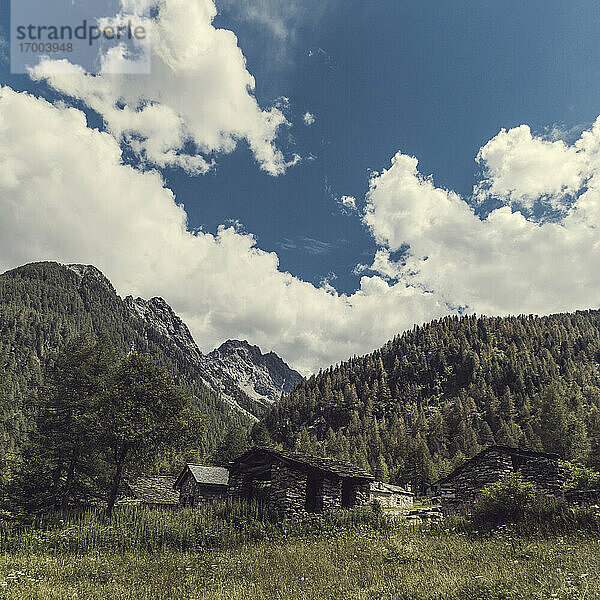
<point>157,489</point>
<point>327,465</point>
<point>387,488</point>
<point>497,448</point>
<point>205,475</point>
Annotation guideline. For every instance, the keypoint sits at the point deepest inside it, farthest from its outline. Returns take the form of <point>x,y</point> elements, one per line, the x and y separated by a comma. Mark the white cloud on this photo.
<point>522,169</point>
<point>348,204</point>
<point>199,92</point>
<point>505,262</point>
<point>66,195</point>
<point>309,119</point>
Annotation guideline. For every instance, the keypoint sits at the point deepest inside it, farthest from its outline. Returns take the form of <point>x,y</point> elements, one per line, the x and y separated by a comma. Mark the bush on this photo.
<point>506,501</point>
<point>514,500</point>
<point>580,477</point>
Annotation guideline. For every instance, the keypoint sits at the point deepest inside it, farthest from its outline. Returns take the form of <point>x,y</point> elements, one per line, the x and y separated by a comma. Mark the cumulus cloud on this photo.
<point>66,195</point>
<point>506,262</point>
<point>198,100</point>
<point>522,169</point>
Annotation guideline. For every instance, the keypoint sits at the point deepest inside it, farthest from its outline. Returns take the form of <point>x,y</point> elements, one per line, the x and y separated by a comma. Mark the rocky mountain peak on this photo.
<point>161,317</point>
<point>239,371</point>
<point>261,376</point>
<point>90,272</point>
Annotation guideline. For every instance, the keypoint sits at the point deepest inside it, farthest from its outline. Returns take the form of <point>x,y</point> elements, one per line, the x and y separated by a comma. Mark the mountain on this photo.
<point>431,396</point>
<point>241,373</point>
<point>160,318</point>
<point>42,305</point>
<point>264,377</point>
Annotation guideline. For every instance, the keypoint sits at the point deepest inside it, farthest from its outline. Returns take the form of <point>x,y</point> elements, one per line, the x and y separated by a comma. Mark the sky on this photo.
<point>316,176</point>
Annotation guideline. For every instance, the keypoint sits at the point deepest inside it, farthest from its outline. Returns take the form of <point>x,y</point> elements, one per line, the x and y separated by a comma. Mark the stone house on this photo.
<point>465,483</point>
<point>154,492</point>
<point>391,496</point>
<point>586,496</point>
<point>199,484</point>
<point>296,484</point>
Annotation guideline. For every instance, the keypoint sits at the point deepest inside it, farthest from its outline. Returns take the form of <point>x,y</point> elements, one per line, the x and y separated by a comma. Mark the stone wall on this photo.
<point>330,494</point>
<point>288,490</point>
<point>186,492</point>
<point>362,493</point>
<point>467,485</point>
<point>545,473</point>
<point>583,496</point>
<point>393,500</point>
<point>209,493</point>
<point>240,486</point>
<point>193,493</point>
<point>287,493</point>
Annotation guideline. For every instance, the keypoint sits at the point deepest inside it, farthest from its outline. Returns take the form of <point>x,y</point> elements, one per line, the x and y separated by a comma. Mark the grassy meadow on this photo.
<point>237,552</point>
<point>404,564</point>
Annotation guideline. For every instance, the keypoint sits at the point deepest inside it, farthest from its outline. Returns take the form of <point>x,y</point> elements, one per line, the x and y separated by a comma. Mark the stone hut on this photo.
<point>199,484</point>
<point>466,482</point>
<point>154,492</point>
<point>587,496</point>
<point>392,496</point>
<point>296,484</point>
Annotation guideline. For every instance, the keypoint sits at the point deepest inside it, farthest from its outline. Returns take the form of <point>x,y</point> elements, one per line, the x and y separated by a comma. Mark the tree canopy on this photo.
<point>99,417</point>
<point>441,392</point>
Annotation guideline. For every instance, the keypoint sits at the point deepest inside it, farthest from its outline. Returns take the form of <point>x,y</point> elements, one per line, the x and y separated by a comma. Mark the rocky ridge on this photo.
<point>261,376</point>
<point>247,379</point>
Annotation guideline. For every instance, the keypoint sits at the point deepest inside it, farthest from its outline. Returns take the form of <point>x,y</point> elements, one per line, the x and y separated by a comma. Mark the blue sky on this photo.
<point>434,79</point>
<point>429,79</point>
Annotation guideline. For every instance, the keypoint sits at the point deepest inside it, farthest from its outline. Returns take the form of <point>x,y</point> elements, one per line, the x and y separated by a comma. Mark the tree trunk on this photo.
<point>120,457</point>
<point>56,475</point>
<point>66,495</point>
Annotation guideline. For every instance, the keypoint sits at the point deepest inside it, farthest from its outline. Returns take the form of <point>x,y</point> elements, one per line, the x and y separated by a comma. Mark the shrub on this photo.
<point>506,501</point>
<point>514,500</point>
<point>580,477</point>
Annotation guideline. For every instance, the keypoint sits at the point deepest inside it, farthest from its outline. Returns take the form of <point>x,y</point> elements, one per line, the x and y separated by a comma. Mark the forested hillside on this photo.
<point>438,393</point>
<point>43,306</point>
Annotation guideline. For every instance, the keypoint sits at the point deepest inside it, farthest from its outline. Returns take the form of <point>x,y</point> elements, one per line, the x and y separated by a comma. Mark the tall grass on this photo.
<point>220,525</point>
<point>238,551</point>
<point>351,564</point>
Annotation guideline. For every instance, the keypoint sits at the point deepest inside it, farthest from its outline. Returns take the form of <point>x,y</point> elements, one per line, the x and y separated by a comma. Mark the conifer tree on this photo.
<point>381,471</point>
<point>234,444</point>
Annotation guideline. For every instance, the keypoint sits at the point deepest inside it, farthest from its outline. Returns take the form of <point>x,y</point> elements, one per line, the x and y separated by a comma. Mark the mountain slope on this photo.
<point>160,317</point>
<point>442,391</point>
<point>43,305</point>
